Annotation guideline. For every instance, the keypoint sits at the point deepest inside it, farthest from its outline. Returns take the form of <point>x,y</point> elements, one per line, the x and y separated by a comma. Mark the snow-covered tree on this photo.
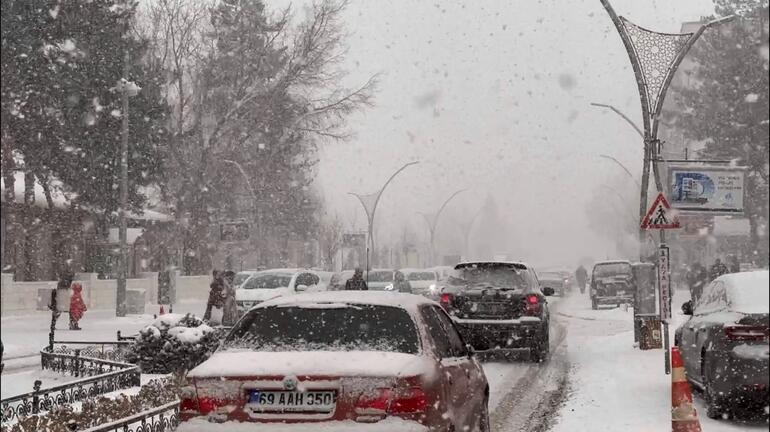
<point>728,105</point>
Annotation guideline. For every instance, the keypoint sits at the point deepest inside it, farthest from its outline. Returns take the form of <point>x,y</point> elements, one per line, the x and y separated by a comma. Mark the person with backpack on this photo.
<point>357,282</point>
<point>400,283</point>
<point>216,294</point>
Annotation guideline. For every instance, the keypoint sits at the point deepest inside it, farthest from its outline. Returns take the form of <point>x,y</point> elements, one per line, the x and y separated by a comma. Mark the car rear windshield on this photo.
<point>550,276</point>
<point>612,269</point>
<point>381,276</point>
<point>326,328</point>
<point>268,281</point>
<point>421,276</point>
<point>494,276</point>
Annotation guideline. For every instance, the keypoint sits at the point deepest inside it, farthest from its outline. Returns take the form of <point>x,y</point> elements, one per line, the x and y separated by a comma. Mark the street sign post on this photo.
<point>660,215</point>
<point>664,295</point>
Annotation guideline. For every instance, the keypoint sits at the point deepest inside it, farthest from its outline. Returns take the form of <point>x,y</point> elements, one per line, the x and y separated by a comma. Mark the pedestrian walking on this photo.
<point>718,269</point>
<point>400,283</point>
<point>697,278</point>
<point>77,306</point>
<point>581,275</point>
<point>216,294</point>
<point>230,309</point>
<point>735,265</point>
<point>357,282</point>
<point>62,287</point>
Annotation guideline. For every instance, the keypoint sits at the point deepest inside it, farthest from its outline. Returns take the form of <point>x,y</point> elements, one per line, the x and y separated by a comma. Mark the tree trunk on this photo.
<point>9,236</point>
<point>56,237</point>
<point>29,226</point>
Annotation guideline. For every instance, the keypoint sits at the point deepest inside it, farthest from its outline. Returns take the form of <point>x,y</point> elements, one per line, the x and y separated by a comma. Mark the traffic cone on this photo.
<point>162,311</point>
<point>683,415</point>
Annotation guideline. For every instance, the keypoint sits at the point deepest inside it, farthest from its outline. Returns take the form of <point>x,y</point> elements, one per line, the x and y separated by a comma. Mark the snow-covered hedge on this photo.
<point>174,343</point>
<point>96,412</point>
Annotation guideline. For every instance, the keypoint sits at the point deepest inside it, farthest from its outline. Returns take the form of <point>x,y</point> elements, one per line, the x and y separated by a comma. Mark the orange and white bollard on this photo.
<point>683,415</point>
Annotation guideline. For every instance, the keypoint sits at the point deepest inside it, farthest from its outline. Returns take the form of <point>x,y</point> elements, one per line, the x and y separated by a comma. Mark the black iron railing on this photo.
<point>101,376</point>
<point>160,419</point>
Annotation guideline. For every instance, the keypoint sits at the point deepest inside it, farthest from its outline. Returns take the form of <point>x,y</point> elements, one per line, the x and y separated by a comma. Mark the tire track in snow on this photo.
<point>532,402</point>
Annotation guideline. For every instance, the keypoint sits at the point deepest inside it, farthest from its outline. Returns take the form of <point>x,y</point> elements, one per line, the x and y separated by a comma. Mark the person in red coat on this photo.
<point>77,306</point>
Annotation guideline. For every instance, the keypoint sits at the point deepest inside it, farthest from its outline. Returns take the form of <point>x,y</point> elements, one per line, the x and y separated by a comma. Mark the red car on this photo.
<point>362,360</point>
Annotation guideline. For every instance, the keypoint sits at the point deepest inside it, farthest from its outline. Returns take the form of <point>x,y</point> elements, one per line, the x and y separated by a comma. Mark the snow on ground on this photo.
<point>615,386</point>
<point>25,335</point>
<point>501,377</point>
<point>21,382</point>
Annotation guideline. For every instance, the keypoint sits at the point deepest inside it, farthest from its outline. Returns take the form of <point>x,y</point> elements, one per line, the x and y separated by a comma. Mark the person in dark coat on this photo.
<point>65,281</point>
<point>77,306</point>
<point>400,283</point>
<point>216,294</point>
<point>357,282</point>
<point>581,275</point>
<point>697,278</point>
<point>735,266</point>
<point>230,309</point>
<point>718,269</point>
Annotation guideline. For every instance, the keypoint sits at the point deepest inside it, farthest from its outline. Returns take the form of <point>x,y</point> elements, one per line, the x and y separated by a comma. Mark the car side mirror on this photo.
<point>687,307</point>
<point>548,291</point>
<point>301,288</point>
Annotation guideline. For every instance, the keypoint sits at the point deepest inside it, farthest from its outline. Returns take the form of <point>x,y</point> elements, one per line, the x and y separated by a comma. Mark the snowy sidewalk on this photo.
<point>617,387</point>
<point>23,336</point>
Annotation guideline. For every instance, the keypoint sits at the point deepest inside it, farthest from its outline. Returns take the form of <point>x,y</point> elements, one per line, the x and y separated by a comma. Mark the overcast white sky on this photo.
<point>493,96</point>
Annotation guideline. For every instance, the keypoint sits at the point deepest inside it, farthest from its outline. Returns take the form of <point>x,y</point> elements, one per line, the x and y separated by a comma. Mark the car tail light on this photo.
<point>747,333</point>
<point>383,401</point>
<point>409,401</point>
<point>446,301</point>
<point>532,305</point>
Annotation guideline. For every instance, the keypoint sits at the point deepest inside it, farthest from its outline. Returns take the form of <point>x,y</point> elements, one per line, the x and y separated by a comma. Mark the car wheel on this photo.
<point>482,420</point>
<point>715,408</point>
<point>539,351</point>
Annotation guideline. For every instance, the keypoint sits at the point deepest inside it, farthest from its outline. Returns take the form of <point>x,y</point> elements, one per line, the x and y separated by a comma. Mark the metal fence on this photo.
<point>102,376</point>
<point>160,419</point>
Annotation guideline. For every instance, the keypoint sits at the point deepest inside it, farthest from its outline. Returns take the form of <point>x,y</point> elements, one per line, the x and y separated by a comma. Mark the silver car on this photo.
<point>724,344</point>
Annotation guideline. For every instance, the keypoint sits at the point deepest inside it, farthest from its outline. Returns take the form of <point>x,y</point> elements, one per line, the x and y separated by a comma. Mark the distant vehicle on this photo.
<point>554,280</point>
<point>724,344</point>
<point>499,307</point>
<point>423,281</point>
<point>443,272</point>
<point>354,357</point>
<point>242,276</point>
<point>612,283</point>
<point>379,279</point>
<point>269,284</point>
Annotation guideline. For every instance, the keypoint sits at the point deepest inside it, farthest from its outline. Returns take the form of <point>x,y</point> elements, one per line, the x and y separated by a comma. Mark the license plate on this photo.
<point>489,308</point>
<point>292,401</point>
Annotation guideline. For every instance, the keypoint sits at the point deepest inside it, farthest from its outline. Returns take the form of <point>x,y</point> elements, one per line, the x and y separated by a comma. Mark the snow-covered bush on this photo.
<point>173,343</point>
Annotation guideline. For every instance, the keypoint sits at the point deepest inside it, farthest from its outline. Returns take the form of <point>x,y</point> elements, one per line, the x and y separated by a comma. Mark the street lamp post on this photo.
<point>128,89</point>
<point>466,228</point>
<point>655,58</point>
<point>432,221</point>
<point>618,163</point>
<point>369,202</point>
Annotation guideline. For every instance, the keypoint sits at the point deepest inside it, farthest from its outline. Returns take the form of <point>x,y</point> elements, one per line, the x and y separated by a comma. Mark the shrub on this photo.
<point>174,343</point>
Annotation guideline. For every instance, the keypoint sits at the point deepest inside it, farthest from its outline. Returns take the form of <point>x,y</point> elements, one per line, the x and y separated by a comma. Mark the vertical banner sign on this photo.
<point>664,282</point>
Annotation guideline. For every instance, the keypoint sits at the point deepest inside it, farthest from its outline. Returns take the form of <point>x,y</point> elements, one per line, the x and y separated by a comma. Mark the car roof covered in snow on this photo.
<point>335,298</point>
<point>517,264</point>
<point>749,292</point>
<point>613,262</point>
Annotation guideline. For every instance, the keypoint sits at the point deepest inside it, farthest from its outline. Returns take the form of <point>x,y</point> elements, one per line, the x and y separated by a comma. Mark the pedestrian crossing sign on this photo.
<point>660,215</point>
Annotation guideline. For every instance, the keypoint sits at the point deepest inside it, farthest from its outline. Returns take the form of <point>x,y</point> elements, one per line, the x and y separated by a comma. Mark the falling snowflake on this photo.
<point>751,98</point>
<point>115,113</point>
